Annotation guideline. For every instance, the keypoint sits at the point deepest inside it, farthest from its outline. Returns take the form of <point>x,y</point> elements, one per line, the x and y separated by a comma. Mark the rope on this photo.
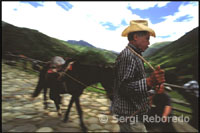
<point>152,69</point>
<point>167,84</point>
<point>142,58</point>
<point>81,82</point>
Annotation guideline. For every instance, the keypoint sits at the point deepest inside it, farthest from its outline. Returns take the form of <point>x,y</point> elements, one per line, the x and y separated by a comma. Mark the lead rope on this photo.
<point>167,84</point>
<point>142,58</point>
<point>146,63</point>
<point>81,82</point>
<point>65,73</point>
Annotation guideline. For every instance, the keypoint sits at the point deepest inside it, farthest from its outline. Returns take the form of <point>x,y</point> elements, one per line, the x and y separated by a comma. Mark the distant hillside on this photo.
<point>179,58</point>
<point>154,47</point>
<point>81,42</point>
<point>39,46</point>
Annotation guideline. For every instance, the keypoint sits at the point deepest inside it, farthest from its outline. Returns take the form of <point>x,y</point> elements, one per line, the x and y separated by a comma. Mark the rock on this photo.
<point>24,128</point>
<point>70,125</point>
<point>6,127</point>
<point>76,121</point>
<point>45,129</point>
<point>86,110</point>
<point>53,114</point>
<point>108,127</point>
<point>17,114</point>
<point>103,131</point>
<point>94,111</point>
<point>24,117</point>
<point>29,106</point>
<point>17,108</point>
<point>51,122</point>
<point>103,108</point>
<point>92,114</point>
<point>116,128</point>
<point>93,120</point>
<point>74,116</point>
<point>83,97</point>
<point>37,119</point>
<point>66,129</point>
<point>6,114</point>
<point>114,121</point>
<point>94,127</point>
<point>30,112</point>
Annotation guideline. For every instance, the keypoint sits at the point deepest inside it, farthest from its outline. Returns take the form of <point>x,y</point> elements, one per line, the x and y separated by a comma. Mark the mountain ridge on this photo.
<point>81,42</point>
<point>37,45</point>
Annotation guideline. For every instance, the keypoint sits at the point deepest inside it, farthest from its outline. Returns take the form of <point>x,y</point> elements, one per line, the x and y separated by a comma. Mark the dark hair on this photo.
<point>139,33</point>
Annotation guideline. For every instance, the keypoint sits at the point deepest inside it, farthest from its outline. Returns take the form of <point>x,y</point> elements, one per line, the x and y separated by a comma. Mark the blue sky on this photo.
<point>101,23</point>
<point>156,13</point>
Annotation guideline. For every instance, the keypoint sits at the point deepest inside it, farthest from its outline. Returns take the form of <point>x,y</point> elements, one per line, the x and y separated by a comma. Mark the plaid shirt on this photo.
<point>130,89</point>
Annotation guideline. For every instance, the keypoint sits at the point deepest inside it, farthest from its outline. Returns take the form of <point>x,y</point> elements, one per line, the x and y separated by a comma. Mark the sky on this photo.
<point>101,23</point>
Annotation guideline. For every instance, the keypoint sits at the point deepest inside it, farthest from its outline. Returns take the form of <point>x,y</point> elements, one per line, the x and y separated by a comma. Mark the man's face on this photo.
<point>142,42</point>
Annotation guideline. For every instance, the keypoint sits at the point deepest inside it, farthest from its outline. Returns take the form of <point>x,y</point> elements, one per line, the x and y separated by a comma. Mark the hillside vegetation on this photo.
<point>155,47</point>
<point>179,58</point>
<point>37,45</point>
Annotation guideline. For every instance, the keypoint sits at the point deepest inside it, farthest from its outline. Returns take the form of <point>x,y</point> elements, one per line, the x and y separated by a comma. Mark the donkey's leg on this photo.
<point>37,90</point>
<point>45,98</point>
<point>55,96</point>
<point>57,102</point>
<point>68,110</point>
<point>78,107</point>
<point>58,107</point>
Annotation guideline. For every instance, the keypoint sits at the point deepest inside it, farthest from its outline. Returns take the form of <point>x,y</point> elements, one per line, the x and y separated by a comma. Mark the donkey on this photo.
<point>72,81</point>
<point>42,84</point>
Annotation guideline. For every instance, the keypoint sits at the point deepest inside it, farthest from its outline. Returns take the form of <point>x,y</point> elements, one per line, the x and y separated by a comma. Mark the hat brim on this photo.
<point>138,27</point>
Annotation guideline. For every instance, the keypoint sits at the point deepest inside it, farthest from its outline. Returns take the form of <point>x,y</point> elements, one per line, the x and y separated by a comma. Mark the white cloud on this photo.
<point>177,29</point>
<point>82,22</point>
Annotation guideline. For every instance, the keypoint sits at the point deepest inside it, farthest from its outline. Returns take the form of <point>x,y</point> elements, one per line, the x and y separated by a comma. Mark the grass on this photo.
<point>90,88</point>
<point>181,107</point>
<point>176,95</point>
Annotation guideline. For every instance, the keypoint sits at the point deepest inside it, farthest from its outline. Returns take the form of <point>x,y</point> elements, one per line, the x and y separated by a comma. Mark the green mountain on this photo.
<point>154,47</point>
<point>179,58</point>
<point>37,45</point>
<point>80,42</point>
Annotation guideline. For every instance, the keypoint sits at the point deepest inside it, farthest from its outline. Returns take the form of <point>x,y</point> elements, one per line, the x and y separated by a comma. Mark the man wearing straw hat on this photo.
<point>130,101</point>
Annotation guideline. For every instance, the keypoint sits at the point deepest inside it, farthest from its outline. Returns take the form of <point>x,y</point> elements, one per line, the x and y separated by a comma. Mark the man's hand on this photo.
<point>159,75</point>
<point>156,78</point>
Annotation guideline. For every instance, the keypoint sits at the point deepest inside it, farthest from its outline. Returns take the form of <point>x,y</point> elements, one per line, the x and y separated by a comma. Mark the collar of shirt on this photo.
<point>135,48</point>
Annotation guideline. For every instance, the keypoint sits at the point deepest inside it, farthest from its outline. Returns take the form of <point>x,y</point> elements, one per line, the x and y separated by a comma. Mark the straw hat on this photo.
<point>138,25</point>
